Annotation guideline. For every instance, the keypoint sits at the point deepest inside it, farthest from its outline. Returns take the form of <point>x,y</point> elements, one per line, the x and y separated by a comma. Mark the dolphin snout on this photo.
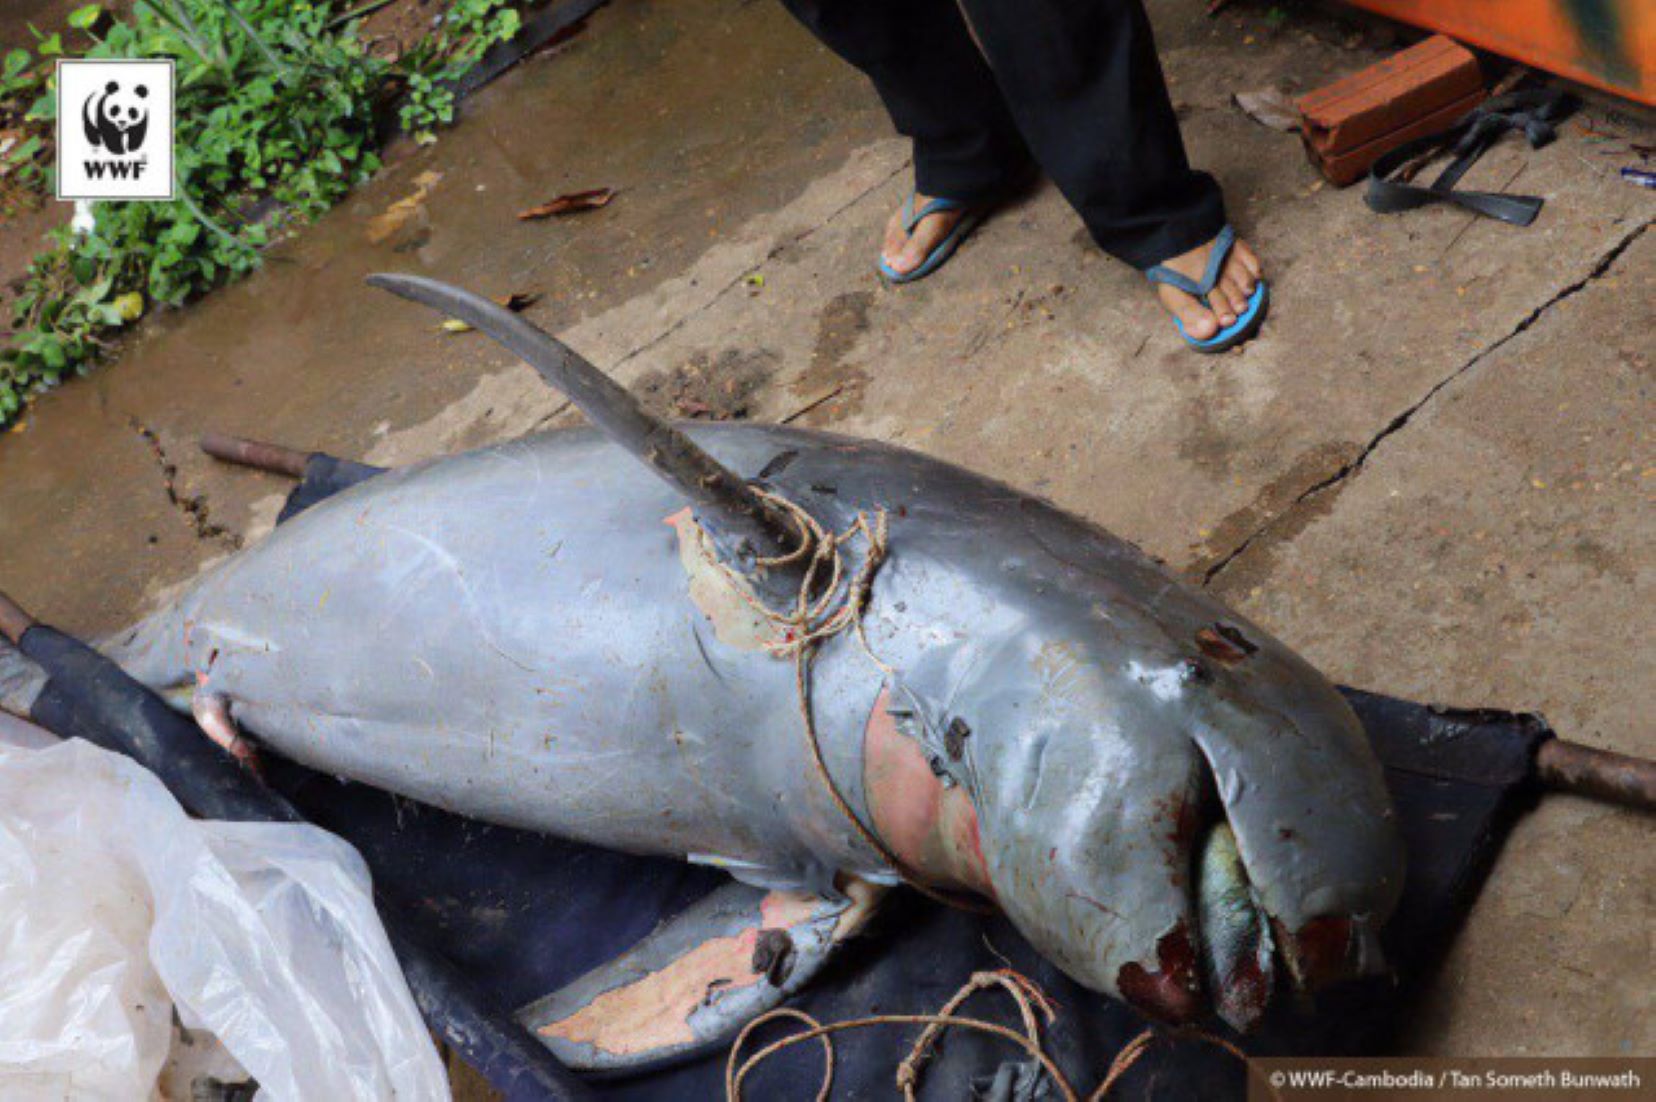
<point>1170,987</point>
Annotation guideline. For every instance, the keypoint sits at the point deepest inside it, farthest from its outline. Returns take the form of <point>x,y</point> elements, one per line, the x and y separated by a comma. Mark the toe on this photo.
<point>1236,295</point>
<point>910,256</point>
<point>1199,322</point>
<point>1223,308</point>
<point>895,239</point>
<point>1248,259</point>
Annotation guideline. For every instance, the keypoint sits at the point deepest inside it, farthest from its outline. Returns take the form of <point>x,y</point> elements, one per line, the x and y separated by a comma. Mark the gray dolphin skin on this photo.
<point>545,634</point>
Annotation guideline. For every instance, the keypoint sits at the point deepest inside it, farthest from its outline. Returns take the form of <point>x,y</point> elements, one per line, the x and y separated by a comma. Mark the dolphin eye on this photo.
<point>1193,671</point>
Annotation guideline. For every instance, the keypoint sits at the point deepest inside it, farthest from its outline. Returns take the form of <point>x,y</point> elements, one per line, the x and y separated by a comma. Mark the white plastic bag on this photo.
<point>115,906</point>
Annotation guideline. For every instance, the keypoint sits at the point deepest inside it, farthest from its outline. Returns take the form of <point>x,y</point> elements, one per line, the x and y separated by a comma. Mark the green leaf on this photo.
<point>82,18</point>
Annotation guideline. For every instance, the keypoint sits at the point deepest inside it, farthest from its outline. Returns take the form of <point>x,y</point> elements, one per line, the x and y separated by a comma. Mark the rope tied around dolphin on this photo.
<point>818,615</point>
<point>1025,993</point>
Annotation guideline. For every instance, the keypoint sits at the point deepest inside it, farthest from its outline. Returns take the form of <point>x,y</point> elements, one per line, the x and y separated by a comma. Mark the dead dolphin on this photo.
<point>542,634</point>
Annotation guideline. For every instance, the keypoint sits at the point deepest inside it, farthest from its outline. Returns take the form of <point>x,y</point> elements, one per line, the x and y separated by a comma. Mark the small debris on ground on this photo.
<point>516,302</point>
<point>1269,107</point>
<point>708,387</point>
<point>572,203</point>
<point>382,226</point>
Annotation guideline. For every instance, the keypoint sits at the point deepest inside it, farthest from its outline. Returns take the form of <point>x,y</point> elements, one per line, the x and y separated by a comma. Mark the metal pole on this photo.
<point>253,453</point>
<point>1602,774</point>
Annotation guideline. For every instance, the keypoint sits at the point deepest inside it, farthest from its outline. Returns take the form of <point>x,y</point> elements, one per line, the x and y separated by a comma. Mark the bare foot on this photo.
<point>1229,297</point>
<point>903,252</point>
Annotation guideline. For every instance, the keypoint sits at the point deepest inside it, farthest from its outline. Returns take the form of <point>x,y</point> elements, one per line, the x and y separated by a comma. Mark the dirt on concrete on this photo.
<point>1429,473</point>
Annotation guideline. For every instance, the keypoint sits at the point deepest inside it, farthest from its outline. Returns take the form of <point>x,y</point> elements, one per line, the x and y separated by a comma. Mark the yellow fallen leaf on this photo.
<point>455,325</point>
<point>130,305</point>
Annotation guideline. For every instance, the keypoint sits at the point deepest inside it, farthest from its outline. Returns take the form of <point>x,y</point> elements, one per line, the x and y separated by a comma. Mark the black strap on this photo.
<point>1533,112</point>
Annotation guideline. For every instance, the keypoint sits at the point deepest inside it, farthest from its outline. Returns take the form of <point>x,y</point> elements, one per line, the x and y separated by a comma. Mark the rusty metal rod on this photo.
<point>13,620</point>
<point>255,453</point>
<point>1602,774</point>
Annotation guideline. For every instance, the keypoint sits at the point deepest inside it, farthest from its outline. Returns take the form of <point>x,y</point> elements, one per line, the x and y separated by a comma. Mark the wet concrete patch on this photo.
<point>831,386</point>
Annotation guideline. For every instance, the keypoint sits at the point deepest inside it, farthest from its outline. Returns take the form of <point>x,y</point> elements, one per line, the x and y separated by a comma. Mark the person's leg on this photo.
<point>1083,82</point>
<point>940,94</point>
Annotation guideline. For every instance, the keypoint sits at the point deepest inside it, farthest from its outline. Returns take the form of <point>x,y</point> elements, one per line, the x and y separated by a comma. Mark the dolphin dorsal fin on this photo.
<point>723,501</point>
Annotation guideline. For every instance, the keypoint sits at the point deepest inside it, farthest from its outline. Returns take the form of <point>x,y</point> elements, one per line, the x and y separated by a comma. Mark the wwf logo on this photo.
<point>115,129</point>
<point>117,120</point>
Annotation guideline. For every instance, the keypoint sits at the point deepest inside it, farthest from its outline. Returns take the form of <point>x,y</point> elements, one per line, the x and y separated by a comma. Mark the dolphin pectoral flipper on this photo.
<point>212,715</point>
<point>693,983</point>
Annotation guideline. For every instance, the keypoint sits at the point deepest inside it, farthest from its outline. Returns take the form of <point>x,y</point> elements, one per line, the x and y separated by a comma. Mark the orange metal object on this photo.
<point>1610,44</point>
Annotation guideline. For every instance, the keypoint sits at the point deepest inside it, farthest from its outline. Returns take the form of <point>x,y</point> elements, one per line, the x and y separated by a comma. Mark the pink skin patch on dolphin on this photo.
<point>212,715</point>
<point>715,592</point>
<point>931,829</point>
<point>653,1012</point>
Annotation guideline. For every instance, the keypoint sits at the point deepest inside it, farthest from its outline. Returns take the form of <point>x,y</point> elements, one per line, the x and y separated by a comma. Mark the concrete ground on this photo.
<point>1431,473</point>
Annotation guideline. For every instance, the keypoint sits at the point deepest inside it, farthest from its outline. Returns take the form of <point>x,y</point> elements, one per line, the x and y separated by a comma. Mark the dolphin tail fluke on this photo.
<point>692,985</point>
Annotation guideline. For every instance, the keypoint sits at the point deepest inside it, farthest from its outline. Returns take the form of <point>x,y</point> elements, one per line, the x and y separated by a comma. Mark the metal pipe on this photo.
<point>254,453</point>
<point>1602,774</point>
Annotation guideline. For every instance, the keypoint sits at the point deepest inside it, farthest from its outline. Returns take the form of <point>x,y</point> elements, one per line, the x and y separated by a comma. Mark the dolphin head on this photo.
<point>1110,746</point>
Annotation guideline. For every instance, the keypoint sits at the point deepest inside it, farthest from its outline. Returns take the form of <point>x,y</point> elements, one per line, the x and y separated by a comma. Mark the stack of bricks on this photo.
<point>1350,124</point>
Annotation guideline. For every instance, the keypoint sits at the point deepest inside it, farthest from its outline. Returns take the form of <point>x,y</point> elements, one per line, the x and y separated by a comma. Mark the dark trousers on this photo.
<point>1073,85</point>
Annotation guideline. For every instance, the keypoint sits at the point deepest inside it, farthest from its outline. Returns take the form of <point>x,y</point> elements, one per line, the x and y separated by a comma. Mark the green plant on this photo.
<point>270,105</point>
<point>464,33</point>
<point>22,139</point>
<point>274,112</point>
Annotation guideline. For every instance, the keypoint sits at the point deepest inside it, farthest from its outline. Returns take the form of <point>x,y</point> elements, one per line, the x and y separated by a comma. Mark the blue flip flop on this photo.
<point>1243,327</point>
<point>944,248</point>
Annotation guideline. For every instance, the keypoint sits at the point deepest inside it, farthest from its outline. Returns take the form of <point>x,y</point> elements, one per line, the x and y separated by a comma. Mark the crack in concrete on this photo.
<point>193,509</point>
<point>1396,424</point>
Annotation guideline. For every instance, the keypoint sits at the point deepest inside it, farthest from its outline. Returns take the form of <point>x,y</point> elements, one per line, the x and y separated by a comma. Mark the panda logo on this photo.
<point>115,120</point>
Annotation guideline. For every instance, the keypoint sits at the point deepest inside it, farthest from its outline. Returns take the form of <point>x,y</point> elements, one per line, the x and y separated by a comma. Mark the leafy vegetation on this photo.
<point>468,29</point>
<point>275,104</point>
